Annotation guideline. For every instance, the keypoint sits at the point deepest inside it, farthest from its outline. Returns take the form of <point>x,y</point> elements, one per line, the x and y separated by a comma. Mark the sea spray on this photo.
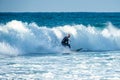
<point>21,37</point>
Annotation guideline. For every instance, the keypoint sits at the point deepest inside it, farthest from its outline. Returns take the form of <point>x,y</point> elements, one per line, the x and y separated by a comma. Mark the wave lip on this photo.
<point>17,37</point>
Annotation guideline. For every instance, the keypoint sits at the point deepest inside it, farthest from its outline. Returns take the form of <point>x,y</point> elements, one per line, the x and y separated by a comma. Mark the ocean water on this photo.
<point>30,46</point>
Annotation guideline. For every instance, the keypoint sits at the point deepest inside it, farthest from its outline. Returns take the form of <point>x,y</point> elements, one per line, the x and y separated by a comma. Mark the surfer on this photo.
<point>65,41</point>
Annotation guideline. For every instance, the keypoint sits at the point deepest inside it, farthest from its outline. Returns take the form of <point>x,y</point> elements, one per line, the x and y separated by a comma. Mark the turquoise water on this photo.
<point>53,19</point>
<point>30,46</point>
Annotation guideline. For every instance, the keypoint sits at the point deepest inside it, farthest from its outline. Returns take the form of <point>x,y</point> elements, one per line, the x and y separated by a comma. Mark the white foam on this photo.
<point>7,49</point>
<point>17,37</point>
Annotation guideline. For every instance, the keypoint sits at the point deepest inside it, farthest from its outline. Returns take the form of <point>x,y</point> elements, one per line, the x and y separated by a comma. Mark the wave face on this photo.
<point>17,37</point>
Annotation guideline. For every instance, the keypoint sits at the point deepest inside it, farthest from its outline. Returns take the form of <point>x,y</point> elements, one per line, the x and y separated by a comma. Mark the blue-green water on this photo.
<point>61,19</point>
<point>30,46</point>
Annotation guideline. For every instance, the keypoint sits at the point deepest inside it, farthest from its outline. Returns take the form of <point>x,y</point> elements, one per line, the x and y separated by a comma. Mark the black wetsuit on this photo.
<point>65,42</point>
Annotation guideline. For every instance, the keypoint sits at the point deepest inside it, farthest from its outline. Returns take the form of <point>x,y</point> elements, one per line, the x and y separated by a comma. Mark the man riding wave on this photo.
<point>65,41</point>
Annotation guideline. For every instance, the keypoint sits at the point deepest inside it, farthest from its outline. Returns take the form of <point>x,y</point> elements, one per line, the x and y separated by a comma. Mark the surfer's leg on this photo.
<point>64,44</point>
<point>69,45</point>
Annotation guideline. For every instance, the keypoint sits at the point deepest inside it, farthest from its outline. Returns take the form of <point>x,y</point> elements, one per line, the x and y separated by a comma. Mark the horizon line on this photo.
<point>61,12</point>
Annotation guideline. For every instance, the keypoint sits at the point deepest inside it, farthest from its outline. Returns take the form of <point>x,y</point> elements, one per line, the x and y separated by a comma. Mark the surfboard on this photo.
<point>77,50</point>
<point>71,51</point>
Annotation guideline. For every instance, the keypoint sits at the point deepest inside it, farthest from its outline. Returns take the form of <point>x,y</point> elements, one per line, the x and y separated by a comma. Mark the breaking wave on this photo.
<point>17,38</point>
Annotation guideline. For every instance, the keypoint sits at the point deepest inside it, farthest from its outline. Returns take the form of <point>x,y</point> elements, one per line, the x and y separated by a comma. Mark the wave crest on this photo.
<point>18,37</point>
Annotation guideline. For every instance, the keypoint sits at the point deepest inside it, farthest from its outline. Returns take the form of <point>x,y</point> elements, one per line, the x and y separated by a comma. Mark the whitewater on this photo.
<point>30,46</point>
<point>18,38</point>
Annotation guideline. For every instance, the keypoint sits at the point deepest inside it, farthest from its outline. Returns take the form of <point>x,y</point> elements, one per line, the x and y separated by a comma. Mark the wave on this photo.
<point>18,37</point>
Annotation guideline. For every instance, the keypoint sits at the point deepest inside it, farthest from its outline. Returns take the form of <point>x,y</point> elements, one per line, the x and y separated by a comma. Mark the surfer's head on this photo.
<point>68,35</point>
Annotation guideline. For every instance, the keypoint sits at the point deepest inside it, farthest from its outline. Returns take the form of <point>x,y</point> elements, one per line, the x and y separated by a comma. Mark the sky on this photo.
<point>59,5</point>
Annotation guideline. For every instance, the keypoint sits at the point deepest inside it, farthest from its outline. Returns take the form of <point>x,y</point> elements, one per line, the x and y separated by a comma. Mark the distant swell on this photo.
<point>17,38</point>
